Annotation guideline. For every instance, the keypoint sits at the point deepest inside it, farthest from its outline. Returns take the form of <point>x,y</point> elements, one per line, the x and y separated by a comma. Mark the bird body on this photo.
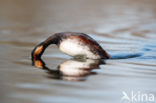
<point>76,47</point>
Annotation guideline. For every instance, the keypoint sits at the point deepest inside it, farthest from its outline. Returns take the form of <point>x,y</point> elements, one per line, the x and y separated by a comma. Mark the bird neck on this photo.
<point>37,52</point>
<point>40,48</point>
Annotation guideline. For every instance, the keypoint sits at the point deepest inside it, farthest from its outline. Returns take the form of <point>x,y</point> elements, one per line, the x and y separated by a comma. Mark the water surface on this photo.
<point>120,26</point>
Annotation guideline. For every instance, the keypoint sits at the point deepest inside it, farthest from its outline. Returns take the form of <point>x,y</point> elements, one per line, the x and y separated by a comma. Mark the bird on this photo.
<point>75,44</point>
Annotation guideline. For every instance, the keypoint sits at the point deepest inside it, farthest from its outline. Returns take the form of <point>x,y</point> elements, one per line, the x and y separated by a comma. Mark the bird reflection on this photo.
<point>71,70</point>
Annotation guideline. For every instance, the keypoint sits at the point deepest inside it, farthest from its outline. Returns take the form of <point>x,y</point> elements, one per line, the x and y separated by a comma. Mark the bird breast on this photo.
<point>75,47</point>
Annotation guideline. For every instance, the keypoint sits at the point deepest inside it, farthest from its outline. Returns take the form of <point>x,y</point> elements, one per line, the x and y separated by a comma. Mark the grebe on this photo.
<point>73,44</point>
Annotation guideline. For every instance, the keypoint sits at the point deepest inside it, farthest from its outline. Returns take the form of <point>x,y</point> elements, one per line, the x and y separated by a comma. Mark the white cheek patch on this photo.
<point>74,47</point>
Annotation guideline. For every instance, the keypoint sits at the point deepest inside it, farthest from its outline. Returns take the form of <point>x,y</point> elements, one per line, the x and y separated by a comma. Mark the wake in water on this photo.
<point>125,55</point>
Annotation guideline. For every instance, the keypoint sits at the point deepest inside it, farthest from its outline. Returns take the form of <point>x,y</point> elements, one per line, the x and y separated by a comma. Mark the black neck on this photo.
<point>40,48</point>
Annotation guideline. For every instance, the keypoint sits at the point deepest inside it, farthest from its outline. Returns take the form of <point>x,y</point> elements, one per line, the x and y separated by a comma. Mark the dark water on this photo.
<point>120,26</point>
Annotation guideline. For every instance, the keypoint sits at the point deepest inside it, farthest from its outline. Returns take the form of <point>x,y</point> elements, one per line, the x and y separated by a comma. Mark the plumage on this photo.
<point>73,44</point>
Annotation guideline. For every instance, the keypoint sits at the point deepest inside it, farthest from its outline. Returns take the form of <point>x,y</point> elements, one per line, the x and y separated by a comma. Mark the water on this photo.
<point>120,26</point>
